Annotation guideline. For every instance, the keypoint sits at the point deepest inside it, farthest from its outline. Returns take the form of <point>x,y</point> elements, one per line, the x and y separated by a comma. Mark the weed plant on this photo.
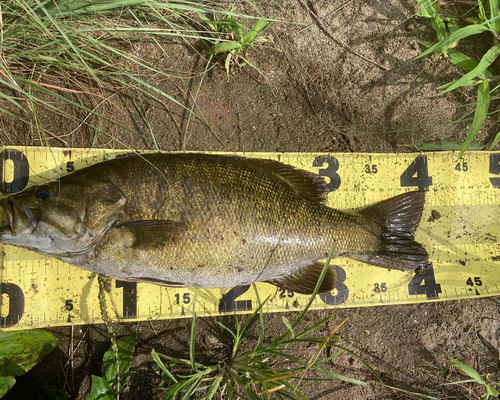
<point>449,35</point>
<point>69,59</point>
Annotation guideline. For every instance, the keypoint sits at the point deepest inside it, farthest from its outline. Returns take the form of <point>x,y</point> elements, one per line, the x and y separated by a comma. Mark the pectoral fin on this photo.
<point>153,232</point>
<point>305,280</point>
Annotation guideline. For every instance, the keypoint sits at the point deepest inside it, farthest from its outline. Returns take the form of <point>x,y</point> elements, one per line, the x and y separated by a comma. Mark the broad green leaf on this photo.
<point>22,350</point>
<point>483,103</point>
<point>224,47</point>
<point>100,389</point>
<point>455,37</point>
<point>440,28</point>
<point>469,78</point>
<point>467,369</point>
<point>6,382</point>
<point>259,26</point>
<point>429,8</point>
<point>125,356</point>
<point>494,22</point>
<point>461,60</point>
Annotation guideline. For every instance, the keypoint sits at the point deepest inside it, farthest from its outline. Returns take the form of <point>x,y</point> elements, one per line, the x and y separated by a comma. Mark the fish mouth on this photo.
<point>20,220</point>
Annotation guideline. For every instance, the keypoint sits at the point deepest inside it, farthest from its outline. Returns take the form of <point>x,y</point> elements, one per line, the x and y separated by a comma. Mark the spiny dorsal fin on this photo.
<point>153,232</point>
<point>305,280</point>
<point>305,183</point>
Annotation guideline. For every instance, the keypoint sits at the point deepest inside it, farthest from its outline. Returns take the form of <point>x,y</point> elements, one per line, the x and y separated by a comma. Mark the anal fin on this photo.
<point>305,280</point>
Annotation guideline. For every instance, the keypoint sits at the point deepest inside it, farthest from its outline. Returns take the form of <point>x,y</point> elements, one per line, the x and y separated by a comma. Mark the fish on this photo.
<point>208,221</point>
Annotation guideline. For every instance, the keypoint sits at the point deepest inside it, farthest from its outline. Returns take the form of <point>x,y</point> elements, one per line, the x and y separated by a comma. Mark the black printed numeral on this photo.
<point>332,166</point>
<point>462,167</point>
<point>129,298</point>
<point>371,169</point>
<point>474,281</point>
<point>495,169</point>
<point>70,166</point>
<point>16,304</point>
<point>380,287</point>
<point>186,298</point>
<point>425,283</point>
<point>342,289</point>
<point>285,293</point>
<point>21,171</point>
<point>228,303</point>
<point>417,174</point>
<point>68,305</point>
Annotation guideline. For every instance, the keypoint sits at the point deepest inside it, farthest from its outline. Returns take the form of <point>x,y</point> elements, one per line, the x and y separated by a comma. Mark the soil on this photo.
<point>345,81</point>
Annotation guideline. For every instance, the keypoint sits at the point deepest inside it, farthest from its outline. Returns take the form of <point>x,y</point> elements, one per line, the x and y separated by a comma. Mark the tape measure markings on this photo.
<point>357,179</point>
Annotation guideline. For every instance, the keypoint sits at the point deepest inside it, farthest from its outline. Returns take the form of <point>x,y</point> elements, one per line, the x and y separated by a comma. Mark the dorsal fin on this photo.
<point>307,184</point>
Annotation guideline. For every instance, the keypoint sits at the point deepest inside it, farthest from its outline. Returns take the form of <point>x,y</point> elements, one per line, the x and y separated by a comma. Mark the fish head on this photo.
<point>61,218</point>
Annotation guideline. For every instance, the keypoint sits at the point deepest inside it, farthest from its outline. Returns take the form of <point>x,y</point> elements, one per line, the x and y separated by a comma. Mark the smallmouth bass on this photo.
<point>208,221</point>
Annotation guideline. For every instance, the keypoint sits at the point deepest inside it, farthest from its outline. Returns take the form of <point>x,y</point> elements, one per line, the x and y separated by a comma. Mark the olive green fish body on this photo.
<point>211,221</point>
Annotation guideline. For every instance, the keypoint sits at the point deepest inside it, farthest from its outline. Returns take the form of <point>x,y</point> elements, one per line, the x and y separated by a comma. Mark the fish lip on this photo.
<point>11,210</point>
<point>8,208</point>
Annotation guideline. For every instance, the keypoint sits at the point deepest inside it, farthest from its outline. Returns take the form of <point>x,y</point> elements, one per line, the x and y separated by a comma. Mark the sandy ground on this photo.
<point>347,81</point>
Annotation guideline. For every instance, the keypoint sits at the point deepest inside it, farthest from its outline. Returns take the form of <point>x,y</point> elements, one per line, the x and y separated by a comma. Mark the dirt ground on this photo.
<point>347,81</point>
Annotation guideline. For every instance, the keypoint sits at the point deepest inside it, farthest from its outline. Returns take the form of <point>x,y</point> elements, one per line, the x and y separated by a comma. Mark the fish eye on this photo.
<point>42,193</point>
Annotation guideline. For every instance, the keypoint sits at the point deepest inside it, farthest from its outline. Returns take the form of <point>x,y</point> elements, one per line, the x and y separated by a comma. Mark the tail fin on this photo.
<point>399,218</point>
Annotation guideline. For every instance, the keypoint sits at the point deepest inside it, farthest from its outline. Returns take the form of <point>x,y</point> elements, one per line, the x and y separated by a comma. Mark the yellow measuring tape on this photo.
<point>460,229</point>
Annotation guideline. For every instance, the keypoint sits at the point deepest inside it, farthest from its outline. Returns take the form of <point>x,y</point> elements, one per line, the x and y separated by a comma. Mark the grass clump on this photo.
<point>275,367</point>
<point>69,60</point>
<point>449,34</point>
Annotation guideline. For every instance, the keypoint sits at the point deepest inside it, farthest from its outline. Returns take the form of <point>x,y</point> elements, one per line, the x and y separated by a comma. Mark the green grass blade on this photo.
<point>162,366</point>
<point>338,376</point>
<point>258,27</point>
<point>260,340</point>
<point>495,141</point>
<point>215,386</point>
<point>469,78</point>
<point>316,326</point>
<point>422,396</point>
<point>195,386</point>
<point>67,39</point>
<point>483,103</point>
<point>192,343</point>
<point>454,37</point>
